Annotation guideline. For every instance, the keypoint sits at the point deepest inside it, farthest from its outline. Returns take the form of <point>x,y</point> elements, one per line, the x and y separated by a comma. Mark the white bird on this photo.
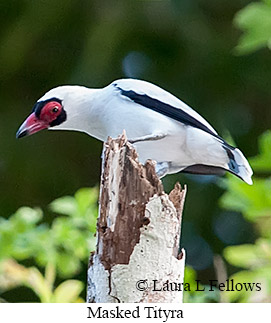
<point>161,127</point>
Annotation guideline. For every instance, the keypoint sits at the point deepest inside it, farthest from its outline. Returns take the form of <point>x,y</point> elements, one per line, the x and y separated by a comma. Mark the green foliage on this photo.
<point>250,255</point>
<point>262,162</point>
<point>253,201</point>
<point>255,22</point>
<point>13,274</point>
<point>60,248</point>
<point>255,204</point>
<point>203,295</point>
<point>88,42</point>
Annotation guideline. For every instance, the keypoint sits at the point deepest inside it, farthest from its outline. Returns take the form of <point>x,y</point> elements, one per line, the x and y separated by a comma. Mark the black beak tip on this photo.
<point>21,134</point>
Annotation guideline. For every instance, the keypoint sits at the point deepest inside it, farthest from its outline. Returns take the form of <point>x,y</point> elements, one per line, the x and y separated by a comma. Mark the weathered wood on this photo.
<point>138,232</point>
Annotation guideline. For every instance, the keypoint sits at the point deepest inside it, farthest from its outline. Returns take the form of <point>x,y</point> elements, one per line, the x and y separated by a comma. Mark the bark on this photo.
<point>138,232</point>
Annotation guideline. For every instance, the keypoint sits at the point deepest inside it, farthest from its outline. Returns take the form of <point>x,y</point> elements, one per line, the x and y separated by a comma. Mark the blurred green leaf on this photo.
<point>22,244</point>
<point>241,294</point>
<point>256,285</point>
<point>67,264</point>
<point>14,274</point>
<point>242,256</point>
<point>253,201</point>
<point>255,22</point>
<point>60,248</point>
<point>255,204</point>
<point>66,243</point>
<point>194,296</point>
<point>262,162</point>
<point>27,216</point>
<point>68,291</point>
<point>249,255</point>
<point>64,205</point>
<point>82,207</point>
<point>85,198</point>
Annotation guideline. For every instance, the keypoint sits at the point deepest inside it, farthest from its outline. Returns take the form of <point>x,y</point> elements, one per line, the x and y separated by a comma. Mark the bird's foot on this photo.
<point>147,138</point>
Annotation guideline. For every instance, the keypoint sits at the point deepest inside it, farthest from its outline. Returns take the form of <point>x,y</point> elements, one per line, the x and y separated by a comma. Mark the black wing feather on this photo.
<point>169,111</point>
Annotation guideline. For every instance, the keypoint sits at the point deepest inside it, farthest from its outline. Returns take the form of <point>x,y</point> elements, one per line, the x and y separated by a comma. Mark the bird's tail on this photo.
<point>239,165</point>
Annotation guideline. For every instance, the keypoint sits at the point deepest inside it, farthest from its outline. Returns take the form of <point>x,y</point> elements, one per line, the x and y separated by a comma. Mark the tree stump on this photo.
<point>138,232</point>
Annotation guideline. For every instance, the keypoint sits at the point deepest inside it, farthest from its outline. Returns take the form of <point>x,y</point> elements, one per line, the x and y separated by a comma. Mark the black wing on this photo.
<point>169,111</point>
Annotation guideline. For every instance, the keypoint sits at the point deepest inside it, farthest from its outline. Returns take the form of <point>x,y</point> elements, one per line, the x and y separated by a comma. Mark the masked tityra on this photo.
<point>161,127</point>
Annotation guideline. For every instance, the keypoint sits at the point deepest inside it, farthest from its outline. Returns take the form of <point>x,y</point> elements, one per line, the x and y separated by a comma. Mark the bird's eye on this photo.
<point>55,109</point>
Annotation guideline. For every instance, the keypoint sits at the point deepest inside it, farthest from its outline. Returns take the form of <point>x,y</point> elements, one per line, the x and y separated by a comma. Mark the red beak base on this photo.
<point>30,126</point>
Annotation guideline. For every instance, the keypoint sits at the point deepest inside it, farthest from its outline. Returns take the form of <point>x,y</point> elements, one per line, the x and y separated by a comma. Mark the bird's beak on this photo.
<point>31,125</point>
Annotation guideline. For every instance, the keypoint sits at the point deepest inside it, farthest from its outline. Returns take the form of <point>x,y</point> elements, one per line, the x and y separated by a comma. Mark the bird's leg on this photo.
<point>162,169</point>
<point>147,138</point>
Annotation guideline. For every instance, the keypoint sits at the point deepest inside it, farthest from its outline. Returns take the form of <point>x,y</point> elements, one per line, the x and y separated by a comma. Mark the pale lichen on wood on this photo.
<point>138,232</point>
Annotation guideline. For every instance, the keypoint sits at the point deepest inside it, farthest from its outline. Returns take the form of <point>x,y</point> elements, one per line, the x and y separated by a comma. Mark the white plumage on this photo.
<point>161,126</point>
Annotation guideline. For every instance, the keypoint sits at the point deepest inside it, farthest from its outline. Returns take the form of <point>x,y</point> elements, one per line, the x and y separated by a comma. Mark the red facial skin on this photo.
<point>50,112</point>
<point>32,124</point>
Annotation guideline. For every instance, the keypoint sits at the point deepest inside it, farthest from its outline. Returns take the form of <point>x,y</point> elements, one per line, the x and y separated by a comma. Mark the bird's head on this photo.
<point>57,109</point>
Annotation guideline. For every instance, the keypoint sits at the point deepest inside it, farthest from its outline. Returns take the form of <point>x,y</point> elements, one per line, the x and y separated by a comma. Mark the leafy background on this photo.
<point>213,55</point>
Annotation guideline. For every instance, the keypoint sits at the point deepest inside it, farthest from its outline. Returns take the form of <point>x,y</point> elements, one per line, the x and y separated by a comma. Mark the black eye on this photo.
<point>55,109</point>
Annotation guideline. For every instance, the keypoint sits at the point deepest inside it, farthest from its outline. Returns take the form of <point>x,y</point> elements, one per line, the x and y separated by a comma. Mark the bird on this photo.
<point>160,126</point>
